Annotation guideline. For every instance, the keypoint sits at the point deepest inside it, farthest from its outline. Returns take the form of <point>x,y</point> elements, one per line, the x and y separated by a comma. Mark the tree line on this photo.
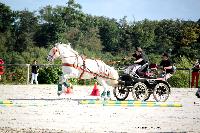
<point>27,35</point>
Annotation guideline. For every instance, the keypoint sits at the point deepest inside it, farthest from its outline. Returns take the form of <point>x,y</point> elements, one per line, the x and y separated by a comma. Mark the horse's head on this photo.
<point>54,53</point>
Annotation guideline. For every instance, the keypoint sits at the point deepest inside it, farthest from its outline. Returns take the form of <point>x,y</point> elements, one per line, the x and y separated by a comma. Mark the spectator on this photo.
<point>195,73</point>
<point>35,69</point>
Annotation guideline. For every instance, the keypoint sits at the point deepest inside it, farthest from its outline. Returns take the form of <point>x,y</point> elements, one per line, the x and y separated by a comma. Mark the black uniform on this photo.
<point>166,63</point>
<point>143,67</point>
<point>137,57</point>
<point>35,69</point>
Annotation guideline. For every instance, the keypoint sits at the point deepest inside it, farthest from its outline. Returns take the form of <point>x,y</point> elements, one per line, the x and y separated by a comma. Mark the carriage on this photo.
<point>142,87</point>
<point>75,66</point>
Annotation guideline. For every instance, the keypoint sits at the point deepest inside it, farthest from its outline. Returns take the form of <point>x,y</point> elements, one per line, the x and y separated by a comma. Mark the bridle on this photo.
<point>55,50</point>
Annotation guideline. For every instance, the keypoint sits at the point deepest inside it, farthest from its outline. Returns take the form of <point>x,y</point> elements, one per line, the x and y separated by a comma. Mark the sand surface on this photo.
<point>41,110</point>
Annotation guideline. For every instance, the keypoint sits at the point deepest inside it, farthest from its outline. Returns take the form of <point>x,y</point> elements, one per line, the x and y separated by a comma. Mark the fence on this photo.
<point>20,74</point>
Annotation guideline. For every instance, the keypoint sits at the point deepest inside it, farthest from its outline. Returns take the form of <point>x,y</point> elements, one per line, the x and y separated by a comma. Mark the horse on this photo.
<point>77,66</point>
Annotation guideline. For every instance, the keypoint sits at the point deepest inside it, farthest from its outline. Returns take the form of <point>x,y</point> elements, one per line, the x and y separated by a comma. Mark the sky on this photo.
<point>135,10</point>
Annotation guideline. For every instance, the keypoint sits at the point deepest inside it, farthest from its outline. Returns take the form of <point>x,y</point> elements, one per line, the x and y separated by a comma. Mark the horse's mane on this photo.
<point>67,46</point>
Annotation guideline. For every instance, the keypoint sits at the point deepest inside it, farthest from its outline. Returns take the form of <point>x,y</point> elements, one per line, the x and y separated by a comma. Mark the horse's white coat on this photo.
<point>106,75</point>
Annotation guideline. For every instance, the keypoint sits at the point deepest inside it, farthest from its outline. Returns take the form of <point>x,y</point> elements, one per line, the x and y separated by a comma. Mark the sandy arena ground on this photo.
<point>42,110</point>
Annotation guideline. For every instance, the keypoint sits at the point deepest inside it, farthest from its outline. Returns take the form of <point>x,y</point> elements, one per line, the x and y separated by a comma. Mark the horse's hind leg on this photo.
<point>106,93</point>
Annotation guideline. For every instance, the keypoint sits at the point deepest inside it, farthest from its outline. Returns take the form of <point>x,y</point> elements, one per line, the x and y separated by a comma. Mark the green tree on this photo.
<point>109,34</point>
<point>6,20</point>
<point>25,27</point>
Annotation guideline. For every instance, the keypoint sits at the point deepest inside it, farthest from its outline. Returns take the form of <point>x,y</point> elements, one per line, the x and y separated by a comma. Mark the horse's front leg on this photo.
<point>106,92</point>
<point>63,84</point>
<point>60,85</point>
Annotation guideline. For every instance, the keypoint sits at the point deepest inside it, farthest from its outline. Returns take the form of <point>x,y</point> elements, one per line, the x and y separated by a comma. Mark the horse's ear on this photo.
<point>69,44</point>
<point>56,44</point>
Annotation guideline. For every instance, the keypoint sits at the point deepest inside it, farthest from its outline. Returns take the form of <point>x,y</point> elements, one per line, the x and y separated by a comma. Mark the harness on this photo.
<point>83,67</point>
<point>76,66</point>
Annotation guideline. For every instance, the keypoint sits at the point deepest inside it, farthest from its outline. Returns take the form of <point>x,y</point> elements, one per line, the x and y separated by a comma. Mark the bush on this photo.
<point>14,75</point>
<point>49,75</point>
<point>181,77</point>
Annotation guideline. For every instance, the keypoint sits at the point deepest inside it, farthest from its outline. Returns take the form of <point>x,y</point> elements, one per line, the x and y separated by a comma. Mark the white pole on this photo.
<point>28,68</point>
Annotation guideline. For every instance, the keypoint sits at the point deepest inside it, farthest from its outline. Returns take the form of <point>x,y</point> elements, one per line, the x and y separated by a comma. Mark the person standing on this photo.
<point>35,69</point>
<point>195,73</point>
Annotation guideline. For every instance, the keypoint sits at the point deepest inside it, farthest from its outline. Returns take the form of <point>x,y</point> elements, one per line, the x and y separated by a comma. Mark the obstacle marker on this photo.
<point>93,101</point>
<point>95,91</point>
<point>21,105</point>
<point>90,102</point>
<point>68,90</point>
<point>147,105</point>
<point>132,103</point>
<point>5,102</point>
<point>8,103</point>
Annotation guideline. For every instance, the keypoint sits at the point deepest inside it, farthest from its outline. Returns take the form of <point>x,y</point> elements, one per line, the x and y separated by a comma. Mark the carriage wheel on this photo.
<point>140,92</point>
<point>121,92</point>
<point>161,92</point>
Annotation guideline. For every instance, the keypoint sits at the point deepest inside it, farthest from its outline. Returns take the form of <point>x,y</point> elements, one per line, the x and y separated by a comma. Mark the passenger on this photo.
<point>167,66</point>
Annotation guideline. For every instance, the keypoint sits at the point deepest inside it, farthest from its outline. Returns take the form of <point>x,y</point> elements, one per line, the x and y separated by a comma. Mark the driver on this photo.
<point>140,63</point>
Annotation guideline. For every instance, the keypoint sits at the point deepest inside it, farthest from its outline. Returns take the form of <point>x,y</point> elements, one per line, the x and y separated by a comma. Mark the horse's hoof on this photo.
<point>108,94</point>
<point>103,94</point>
<point>59,93</point>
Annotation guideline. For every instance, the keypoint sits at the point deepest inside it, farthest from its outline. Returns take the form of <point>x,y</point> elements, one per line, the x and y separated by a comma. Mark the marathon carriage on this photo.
<point>151,82</point>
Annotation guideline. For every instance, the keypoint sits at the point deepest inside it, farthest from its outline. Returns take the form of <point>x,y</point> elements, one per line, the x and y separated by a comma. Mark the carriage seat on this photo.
<point>153,66</point>
<point>151,70</point>
<point>146,70</point>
